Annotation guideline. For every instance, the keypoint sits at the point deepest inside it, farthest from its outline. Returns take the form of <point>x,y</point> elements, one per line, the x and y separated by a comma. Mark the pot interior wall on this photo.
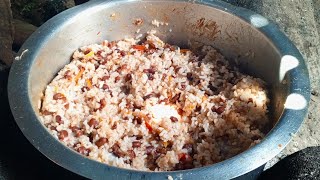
<point>188,23</point>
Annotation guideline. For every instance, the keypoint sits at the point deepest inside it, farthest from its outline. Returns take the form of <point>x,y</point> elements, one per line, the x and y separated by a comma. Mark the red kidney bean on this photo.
<point>63,134</point>
<point>136,144</point>
<point>59,119</point>
<point>93,123</point>
<point>174,119</point>
<point>101,142</point>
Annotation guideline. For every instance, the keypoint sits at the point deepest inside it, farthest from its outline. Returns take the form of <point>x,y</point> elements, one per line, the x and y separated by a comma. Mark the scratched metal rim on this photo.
<point>241,164</point>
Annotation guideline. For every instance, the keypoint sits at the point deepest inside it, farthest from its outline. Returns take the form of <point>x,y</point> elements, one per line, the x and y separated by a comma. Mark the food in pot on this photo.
<point>154,106</point>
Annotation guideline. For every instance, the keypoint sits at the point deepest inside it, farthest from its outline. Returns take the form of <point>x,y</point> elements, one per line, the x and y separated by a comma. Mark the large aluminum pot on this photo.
<point>246,37</point>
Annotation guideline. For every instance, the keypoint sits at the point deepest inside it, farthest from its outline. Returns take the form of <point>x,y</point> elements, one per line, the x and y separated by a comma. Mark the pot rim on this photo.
<point>258,155</point>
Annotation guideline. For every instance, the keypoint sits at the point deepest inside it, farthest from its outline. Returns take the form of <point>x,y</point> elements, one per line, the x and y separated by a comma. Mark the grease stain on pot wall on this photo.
<point>203,27</point>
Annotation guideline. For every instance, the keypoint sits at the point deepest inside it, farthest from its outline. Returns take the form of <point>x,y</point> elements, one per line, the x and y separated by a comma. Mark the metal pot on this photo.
<point>247,38</point>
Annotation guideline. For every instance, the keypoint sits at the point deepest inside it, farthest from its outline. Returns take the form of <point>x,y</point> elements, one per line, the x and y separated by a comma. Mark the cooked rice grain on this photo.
<point>154,106</point>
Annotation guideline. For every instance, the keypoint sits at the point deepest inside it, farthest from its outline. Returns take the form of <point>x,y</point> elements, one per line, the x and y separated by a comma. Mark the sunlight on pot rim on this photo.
<point>258,21</point>
<point>295,102</point>
<point>287,63</point>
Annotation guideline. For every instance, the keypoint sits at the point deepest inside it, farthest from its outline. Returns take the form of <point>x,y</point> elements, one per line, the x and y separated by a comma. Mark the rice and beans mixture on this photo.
<point>154,106</point>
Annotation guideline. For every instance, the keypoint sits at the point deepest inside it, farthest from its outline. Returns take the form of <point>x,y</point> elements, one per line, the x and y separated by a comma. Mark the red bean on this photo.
<point>99,52</point>
<point>147,96</point>
<point>126,90</point>
<point>92,136</point>
<point>93,123</point>
<point>174,119</point>
<point>184,158</point>
<point>101,142</point>
<point>138,137</point>
<point>165,100</point>
<point>128,77</point>
<point>124,66</point>
<point>153,166</point>
<point>175,98</point>
<point>117,151</point>
<point>161,150</point>
<point>149,150</point>
<point>63,134</point>
<point>67,75</point>
<point>46,112</point>
<point>188,165</point>
<point>163,76</point>
<point>122,53</point>
<point>66,106</point>
<point>152,71</point>
<point>131,154</point>
<point>179,166</point>
<point>184,165</point>
<point>105,87</point>
<point>58,96</point>
<point>105,78</point>
<point>138,120</point>
<point>136,144</point>
<point>187,146</point>
<point>103,103</point>
<point>189,76</point>
<point>117,79</point>
<point>119,69</point>
<point>114,126</point>
<point>84,89</point>
<point>150,77</point>
<point>220,110</point>
<point>96,66</point>
<point>151,45</point>
<point>84,151</point>
<point>112,44</point>
<point>77,131</point>
<point>183,86</point>
<point>59,119</point>
<point>176,70</point>
<point>212,88</point>
<point>87,51</point>
<point>198,109</point>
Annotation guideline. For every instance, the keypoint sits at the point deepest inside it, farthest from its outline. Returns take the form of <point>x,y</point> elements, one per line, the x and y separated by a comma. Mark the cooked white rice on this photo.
<point>154,106</point>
